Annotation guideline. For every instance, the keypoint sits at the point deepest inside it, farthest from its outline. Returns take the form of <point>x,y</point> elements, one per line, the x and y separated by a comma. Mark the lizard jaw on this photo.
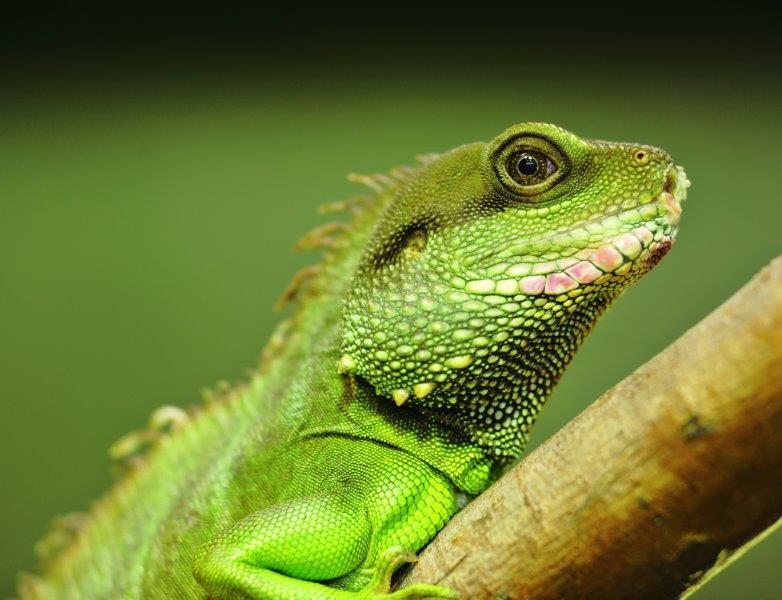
<point>592,265</point>
<point>654,227</point>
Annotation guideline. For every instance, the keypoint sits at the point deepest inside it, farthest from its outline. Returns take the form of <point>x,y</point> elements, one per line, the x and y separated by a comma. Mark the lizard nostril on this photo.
<point>641,156</point>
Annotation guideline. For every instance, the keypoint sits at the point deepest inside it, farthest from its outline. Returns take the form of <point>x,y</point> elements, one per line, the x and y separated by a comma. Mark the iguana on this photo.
<point>417,358</point>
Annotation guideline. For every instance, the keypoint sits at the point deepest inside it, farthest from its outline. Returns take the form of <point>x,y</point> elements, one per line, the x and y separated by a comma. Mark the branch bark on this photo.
<point>653,488</point>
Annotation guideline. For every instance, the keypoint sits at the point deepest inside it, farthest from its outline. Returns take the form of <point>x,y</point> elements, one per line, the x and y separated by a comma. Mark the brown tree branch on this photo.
<point>654,487</point>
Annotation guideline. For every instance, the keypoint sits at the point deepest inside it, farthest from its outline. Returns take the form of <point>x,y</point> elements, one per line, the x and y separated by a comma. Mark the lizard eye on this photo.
<point>530,167</point>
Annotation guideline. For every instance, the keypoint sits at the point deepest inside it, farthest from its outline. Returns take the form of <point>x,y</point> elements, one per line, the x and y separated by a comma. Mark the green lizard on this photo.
<point>419,354</point>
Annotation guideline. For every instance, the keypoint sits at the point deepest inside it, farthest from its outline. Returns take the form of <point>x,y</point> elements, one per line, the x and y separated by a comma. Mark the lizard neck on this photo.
<point>354,409</point>
<point>435,442</point>
<point>468,430</point>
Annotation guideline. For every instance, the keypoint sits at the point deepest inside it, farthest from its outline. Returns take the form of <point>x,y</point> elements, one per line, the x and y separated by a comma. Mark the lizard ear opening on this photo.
<point>408,242</point>
<point>415,242</point>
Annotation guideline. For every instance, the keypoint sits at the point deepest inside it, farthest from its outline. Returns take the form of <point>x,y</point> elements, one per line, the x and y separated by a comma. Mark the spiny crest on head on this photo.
<point>332,235</point>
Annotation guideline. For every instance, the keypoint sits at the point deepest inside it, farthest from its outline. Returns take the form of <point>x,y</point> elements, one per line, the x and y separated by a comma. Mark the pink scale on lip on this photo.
<point>628,245</point>
<point>559,283</point>
<point>532,285</point>
<point>643,234</point>
<point>606,258</point>
<point>584,272</point>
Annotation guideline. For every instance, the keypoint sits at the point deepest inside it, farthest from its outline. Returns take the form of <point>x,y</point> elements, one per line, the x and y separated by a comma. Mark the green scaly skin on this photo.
<point>410,374</point>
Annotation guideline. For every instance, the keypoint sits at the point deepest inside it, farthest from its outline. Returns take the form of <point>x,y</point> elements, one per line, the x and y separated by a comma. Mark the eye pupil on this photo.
<point>530,168</point>
<point>527,165</point>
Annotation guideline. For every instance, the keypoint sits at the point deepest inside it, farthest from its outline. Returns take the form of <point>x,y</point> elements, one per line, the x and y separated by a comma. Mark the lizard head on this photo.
<point>489,265</point>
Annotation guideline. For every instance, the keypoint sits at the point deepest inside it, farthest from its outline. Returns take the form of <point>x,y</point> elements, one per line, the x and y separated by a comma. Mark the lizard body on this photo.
<point>420,353</point>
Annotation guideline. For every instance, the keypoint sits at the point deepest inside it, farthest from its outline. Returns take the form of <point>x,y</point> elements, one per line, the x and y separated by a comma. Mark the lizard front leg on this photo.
<point>280,553</point>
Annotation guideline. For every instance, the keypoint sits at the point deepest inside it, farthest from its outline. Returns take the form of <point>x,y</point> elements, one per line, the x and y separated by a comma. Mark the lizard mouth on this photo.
<point>633,237</point>
<point>674,193</point>
<point>670,197</point>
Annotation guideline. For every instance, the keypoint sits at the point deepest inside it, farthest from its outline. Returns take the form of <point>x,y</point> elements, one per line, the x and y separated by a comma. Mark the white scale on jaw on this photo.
<point>556,277</point>
<point>585,266</point>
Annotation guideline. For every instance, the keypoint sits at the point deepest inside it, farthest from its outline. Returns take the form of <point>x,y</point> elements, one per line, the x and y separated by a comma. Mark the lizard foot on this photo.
<point>380,584</point>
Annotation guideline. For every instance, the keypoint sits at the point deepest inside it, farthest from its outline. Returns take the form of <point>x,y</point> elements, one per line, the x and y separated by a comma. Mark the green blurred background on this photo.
<point>154,175</point>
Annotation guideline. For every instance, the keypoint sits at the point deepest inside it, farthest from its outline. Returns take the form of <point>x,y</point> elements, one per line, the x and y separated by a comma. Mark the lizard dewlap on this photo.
<point>419,354</point>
